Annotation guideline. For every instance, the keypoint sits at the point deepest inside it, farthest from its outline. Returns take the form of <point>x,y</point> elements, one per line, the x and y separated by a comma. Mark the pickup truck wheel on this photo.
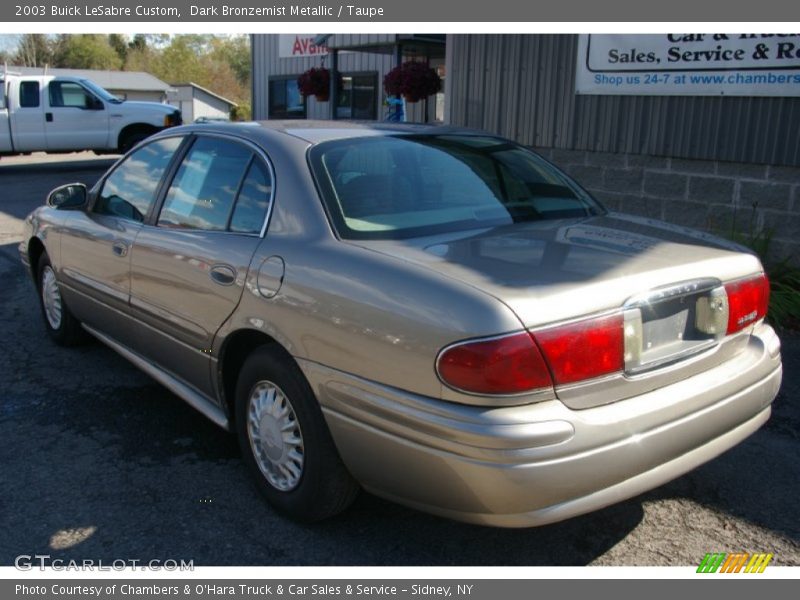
<point>61,324</point>
<point>285,441</point>
<point>131,139</point>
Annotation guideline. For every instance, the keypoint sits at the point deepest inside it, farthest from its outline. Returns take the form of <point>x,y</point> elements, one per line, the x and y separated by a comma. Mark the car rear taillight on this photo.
<point>748,300</point>
<point>524,362</point>
<point>584,350</point>
<point>506,365</point>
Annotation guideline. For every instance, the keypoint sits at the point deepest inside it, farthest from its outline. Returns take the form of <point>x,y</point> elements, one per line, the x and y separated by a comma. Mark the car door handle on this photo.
<point>119,248</point>
<point>223,274</point>
<point>48,117</point>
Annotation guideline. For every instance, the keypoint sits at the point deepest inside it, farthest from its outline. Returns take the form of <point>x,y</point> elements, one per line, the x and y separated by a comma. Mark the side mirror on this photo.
<point>97,104</point>
<point>70,196</point>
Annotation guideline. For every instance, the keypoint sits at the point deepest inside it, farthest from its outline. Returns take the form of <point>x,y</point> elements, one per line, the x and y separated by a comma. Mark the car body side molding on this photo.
<point>177,387</point>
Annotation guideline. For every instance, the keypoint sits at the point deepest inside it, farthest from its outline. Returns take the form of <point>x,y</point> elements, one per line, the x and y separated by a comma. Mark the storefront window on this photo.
<point>285,101</point>
<point>358,96</point>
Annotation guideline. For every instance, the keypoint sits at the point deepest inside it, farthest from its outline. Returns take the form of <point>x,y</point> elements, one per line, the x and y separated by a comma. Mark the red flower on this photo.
<point>414,80</point>
<point>315,82</point>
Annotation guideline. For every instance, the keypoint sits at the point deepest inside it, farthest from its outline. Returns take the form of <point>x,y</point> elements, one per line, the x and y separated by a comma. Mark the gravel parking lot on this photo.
<point>98,461</point>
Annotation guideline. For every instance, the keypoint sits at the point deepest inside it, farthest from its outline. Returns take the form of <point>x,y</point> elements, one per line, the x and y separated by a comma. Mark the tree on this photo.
<point>235,51</point>
<point>141,59</point>
<point>120,45</point>
<point>206,60</point>
<point>34,50</point>
<point>218,63</point>
<point>86,51</point>
<point>139,42</point>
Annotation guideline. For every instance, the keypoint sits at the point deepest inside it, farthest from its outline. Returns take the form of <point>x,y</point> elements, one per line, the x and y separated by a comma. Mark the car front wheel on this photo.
<point>285,441</point>
<point>61,324</point>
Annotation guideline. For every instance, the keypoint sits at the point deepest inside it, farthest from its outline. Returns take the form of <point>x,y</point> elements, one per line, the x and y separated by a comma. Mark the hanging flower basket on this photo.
<point>412,80</point>
<point>315,82</point>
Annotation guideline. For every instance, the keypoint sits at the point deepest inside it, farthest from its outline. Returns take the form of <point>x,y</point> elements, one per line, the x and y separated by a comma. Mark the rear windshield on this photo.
<point>392,187</point>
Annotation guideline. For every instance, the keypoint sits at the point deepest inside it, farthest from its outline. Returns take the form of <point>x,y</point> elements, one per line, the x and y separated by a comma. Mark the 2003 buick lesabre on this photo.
<point>436,315</point>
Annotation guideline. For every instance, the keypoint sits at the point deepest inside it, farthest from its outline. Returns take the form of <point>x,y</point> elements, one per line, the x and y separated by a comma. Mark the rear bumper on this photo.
<point>540,463</point>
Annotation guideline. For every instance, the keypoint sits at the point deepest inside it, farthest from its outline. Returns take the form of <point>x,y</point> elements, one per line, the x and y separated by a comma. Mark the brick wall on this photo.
<point>707,195</point>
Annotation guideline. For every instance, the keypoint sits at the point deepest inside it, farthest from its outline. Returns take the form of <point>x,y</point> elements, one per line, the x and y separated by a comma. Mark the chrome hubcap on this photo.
<point>51,298</point>
<point>275,436</point>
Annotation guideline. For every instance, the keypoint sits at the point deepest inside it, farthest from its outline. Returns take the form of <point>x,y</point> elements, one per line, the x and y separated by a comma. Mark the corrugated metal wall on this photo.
<point>267,63</point>
<point>523,87</point>
<point>339,40</point>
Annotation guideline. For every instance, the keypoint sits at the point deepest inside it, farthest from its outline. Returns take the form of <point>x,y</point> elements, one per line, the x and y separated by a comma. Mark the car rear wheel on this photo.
<point>285,441</point>
<point>61,324</point>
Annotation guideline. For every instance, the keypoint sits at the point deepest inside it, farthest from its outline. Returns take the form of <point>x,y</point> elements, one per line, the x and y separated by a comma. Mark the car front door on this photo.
<point>189,265</point>
<point>96,244</point>
<point>75,118</point>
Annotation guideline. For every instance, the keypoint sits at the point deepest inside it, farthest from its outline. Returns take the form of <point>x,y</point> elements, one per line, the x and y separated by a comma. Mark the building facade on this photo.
<point>361,61</point>
<point>196,102</point>
<point>721,163</point>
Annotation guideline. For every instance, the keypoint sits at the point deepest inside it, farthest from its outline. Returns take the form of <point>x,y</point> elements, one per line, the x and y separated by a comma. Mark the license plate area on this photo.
<point>669,324</point>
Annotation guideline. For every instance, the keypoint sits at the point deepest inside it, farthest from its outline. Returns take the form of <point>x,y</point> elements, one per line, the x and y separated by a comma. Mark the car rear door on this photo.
<point>27,116</point>
<point>5,126</point>
<point>96,243</point>
<point>189,264</point>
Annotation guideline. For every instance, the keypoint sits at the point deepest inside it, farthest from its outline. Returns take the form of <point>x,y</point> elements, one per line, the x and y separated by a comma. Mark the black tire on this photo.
<point>64,329</point>
<point>324,487</point>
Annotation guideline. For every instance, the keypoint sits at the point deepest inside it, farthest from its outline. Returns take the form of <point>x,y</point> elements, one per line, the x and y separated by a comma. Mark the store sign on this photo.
<point>696,64</point>
<point>299,45</point>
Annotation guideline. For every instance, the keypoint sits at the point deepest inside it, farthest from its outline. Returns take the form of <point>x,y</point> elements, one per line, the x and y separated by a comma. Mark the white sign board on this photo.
<point>696,64</point>
<point>299,45</point>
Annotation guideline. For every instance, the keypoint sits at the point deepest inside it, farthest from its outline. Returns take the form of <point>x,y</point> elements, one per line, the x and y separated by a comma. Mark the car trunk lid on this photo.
<point>552,272</point>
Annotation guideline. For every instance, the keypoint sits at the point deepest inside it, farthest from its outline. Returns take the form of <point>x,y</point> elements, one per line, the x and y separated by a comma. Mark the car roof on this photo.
<point>316,131</point>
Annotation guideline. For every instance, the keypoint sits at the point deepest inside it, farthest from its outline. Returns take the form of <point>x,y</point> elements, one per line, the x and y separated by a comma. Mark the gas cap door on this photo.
<point>270,276</point>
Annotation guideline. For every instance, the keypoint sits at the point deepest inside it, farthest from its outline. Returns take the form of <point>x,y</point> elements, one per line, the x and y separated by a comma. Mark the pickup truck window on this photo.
<point>29,94</point>
<point>99,91</point>
<point>130,190</point>
<point>68,93</point>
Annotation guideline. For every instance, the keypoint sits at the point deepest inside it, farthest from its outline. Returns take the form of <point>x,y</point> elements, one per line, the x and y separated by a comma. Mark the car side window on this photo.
<point>29,94</point>
<point>204,188</point>
<point>69,94</point>
<point>253,200</point>
<point>130,190</point>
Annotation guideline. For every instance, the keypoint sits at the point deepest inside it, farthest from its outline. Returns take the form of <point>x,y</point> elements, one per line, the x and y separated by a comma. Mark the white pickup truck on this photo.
<point>65,114</point>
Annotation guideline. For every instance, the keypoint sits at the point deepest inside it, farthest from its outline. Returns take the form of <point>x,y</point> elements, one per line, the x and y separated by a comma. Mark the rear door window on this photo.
<point>253,201</point>
<point>213,175</point>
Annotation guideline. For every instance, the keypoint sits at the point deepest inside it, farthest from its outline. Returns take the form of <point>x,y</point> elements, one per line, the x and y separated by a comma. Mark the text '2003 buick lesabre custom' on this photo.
<point>436,315</point>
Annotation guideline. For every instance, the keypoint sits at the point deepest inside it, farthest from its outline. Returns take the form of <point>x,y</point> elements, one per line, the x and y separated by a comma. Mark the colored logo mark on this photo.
<point>743,562</point>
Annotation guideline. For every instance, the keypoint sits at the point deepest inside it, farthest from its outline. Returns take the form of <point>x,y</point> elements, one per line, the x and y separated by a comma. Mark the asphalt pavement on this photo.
<point>99,461</point>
